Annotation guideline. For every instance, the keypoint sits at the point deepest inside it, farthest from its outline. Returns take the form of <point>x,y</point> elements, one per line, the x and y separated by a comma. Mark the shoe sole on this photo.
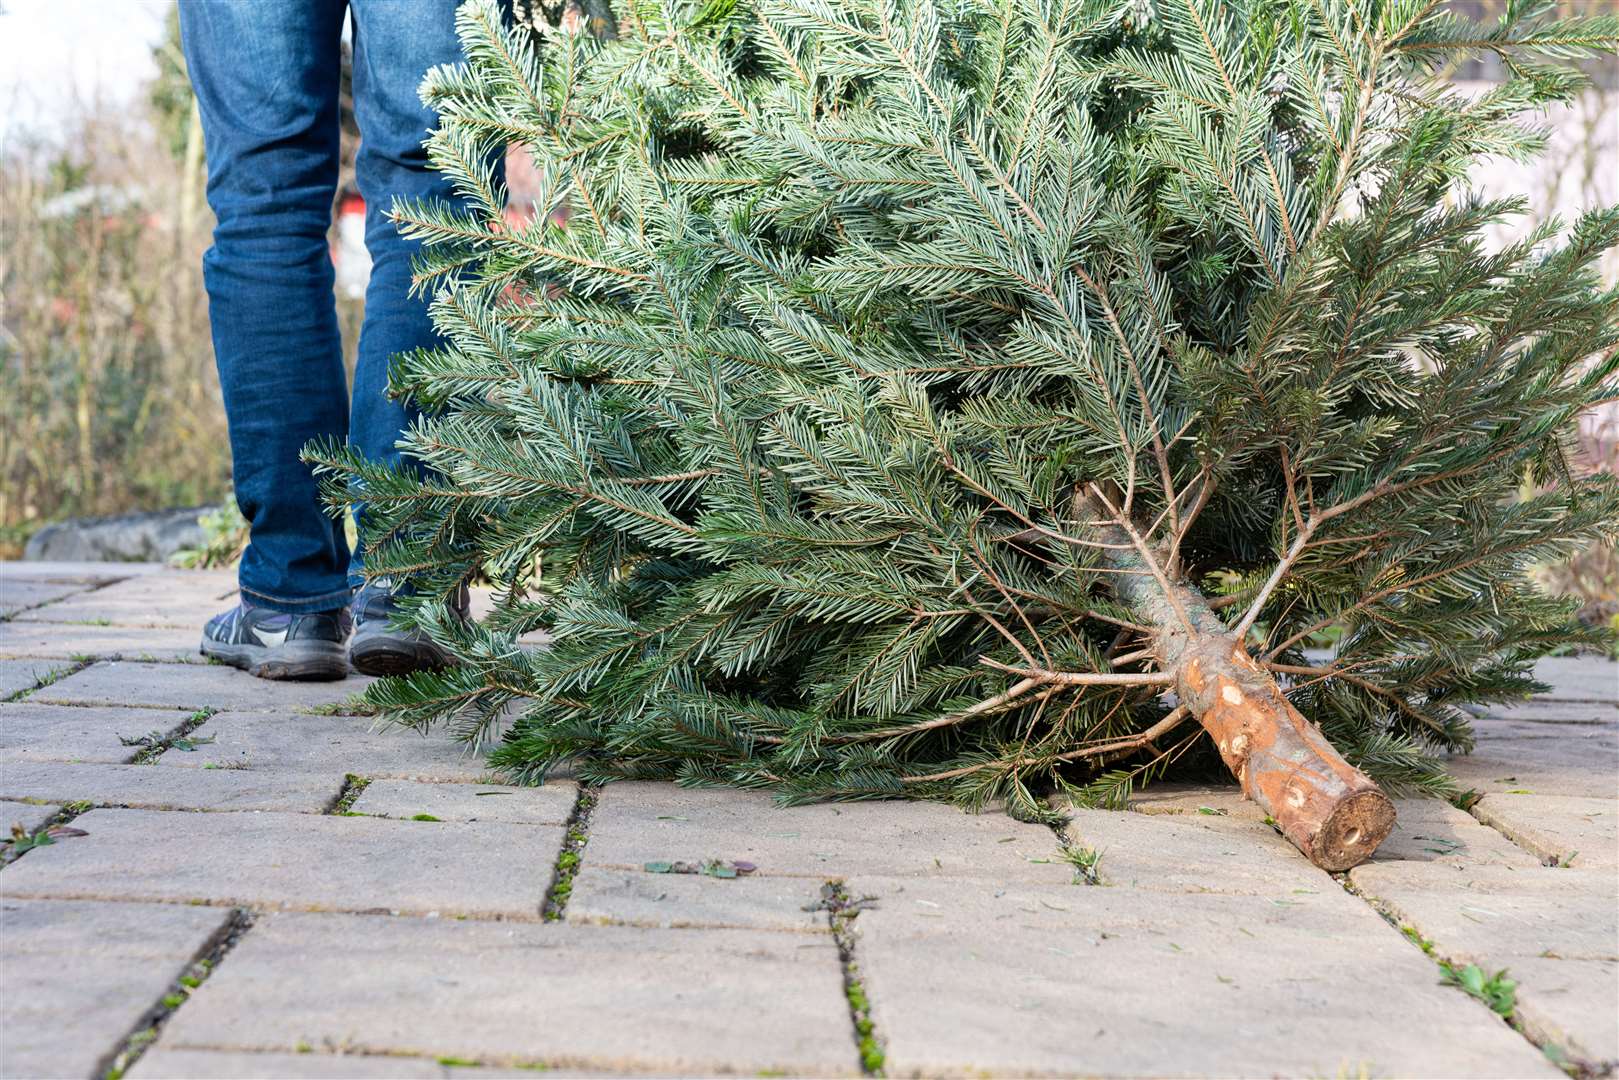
<point>384,652</point>
<point>298,661</point>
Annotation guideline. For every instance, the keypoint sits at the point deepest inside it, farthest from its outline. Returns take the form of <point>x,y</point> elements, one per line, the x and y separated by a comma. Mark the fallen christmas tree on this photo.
<point>905,399</point>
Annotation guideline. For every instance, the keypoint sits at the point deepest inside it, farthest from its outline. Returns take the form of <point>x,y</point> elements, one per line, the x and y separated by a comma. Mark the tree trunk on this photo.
<point>1329,809</point>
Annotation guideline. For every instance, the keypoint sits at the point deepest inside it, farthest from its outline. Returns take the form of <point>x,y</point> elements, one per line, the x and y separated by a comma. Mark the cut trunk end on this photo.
<point>1329,809</point>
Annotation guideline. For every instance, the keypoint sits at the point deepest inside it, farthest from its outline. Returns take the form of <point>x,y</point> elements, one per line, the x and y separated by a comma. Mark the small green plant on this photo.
<point>224,532</point>
<point>1085,861</point>
<point>1417,939</point>
<point>21,840</point>
<point>423,817</point>
<point>1497,991</point>
<point>353,705</point>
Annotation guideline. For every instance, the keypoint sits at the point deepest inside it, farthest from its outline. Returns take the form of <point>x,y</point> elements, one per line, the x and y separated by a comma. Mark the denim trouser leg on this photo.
<point>266,74</point>
<point>266,78</point>
<point>394,45</point>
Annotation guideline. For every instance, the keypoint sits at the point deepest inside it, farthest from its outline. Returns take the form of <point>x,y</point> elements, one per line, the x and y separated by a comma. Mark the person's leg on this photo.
<point>266,77</point>
<point>395,42</point>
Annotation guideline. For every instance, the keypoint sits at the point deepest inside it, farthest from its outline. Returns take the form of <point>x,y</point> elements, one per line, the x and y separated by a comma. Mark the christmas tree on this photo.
<point>974,400</point>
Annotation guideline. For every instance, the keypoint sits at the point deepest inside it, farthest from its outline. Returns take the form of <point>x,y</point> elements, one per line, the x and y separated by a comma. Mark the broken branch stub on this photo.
<point>1331,811</point>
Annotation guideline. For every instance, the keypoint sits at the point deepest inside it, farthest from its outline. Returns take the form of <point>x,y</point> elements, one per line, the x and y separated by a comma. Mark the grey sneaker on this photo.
<point>276,645</point>
<point>378,648</point>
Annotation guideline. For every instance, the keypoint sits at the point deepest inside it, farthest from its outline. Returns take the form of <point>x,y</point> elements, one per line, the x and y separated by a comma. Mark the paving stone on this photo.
<point>19,675</point>
<point>1555,759</point>
<point>1583,832</point>
<point>1572,1003</point>
<point>1429,830</point>
<point>298,742</point>
<point>157,788</point>
<point>548,805</point>
<point>93,573</point>
<point>20,594</point>
<point>160,1063</point>
<point>28,815</point>
<point>1196,799</point>
<point>297,862</point>
<point>1490,914</point>
<point>1546,710</point>
<point>71,641</point>
<point>1124,982</point>
<point>639,898</point>
<point>79,975</point>
<point>319,1064</point>
<point>1583,678</point>
<point>193,686</point>
<point>636,823</point>
<point>1193,853</point>
<point>182,599</point>
<point>596,997</point>
<point>30,732</point>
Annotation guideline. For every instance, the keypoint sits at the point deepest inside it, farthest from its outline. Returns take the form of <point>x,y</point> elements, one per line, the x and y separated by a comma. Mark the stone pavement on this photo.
<point>249,882</point>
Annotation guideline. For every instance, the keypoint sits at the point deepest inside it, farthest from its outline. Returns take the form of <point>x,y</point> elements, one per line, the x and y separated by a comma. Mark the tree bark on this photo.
<point>1331,811</point>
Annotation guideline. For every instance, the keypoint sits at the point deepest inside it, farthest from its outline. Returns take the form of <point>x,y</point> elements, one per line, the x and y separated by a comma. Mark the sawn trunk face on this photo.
<point>1331,811</point>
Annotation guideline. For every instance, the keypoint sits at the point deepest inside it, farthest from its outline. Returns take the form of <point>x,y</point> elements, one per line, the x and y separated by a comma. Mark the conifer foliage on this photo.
<point>896,398</point>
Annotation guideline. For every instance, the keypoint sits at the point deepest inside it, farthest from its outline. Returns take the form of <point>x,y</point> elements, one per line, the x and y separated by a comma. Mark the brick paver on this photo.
<point>297,742</point>
<point>637,823</point>
<point>408,937</point>
<point>69,641</point>
<point>594,997</point>
<point>548,805</point>
<point>26,816</point>
<point>19,675</point>
<point>1561,829</point>
<point>32,732</point>
<point>190,686</point>
<point>1101,981</point>
<point>297,862</point>
<point>79,975</point>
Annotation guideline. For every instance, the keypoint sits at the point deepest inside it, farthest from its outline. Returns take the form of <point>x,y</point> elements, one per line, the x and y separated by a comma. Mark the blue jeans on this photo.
<point>266,75</point>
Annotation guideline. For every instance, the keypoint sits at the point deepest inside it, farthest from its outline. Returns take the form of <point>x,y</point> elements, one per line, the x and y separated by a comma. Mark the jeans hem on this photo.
<point>325,602</point>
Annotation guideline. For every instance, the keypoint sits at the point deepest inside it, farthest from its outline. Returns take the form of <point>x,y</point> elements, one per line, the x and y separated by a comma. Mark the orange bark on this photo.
<point>1331,811</point>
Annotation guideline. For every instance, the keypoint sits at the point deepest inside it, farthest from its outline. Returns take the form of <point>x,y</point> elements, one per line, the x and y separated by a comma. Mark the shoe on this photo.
<point>379,648</point>
<point>277,645</point>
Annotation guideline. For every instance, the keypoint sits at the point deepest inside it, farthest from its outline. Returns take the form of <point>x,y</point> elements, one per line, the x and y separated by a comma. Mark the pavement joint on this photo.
<point>154,748</point>
<point>1561,860</point>
<point>575,836</point>
<point>89,587</point>
<point>10,854</point>
<point>842,911</point>
<point>72,667</point>
<point>1449,966</point>
<point>257,909</point>
<point>147,1029</point>
<point>348,794</point>
<point>1087,861</point>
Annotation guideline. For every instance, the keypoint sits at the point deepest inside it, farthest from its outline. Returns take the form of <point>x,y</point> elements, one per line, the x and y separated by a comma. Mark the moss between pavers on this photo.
<point>196,973</point>
<point>841,913</point>
<point>568,858</point>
